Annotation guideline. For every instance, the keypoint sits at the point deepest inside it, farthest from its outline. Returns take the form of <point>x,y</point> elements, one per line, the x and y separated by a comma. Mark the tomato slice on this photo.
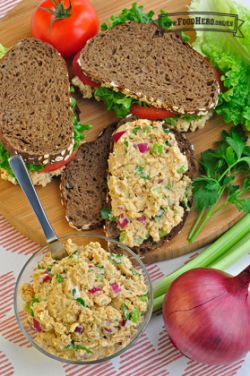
<point>217,76</point>
<point>57,165</point>
<point>151,112</point>
<point>79,73</point>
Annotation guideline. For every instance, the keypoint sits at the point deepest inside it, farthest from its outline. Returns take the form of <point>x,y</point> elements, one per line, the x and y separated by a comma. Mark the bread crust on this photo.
<point>111,228</point>
<point>47,152</point>
<point>155,102</point>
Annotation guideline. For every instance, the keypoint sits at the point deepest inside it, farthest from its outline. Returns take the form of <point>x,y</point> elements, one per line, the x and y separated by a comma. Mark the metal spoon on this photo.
<point>18,166</point>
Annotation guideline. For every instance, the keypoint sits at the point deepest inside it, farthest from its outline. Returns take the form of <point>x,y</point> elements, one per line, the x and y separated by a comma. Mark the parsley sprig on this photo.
<point>219,168</point>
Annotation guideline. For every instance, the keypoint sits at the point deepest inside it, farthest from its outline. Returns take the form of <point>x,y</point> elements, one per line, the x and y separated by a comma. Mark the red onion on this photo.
<point>47,278</point>
<point>117,136</point>
<point>95,290</point>
<point>143,148</point>
<point>167,150</point>
<point>91,266</point>
<point>124,221</point>
<point>79,329</point>
<point>141,219</point>
<point>37,325</point>
<point>46,272</point>
<point>207,315</point>
<point>115,288</point>
<point>160,181</point>
<point>107,330</point>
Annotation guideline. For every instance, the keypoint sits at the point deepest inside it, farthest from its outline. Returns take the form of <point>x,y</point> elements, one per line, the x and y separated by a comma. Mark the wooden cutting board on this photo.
<point>14,205</point>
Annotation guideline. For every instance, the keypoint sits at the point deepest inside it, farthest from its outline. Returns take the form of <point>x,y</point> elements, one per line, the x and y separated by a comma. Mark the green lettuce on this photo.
<point>187,118</point>
<point>3,50</point>
<point>118,102</point>
<point>231,55</point>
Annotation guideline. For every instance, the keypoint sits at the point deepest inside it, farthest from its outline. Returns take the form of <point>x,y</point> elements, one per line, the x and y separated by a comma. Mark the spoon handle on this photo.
<point>18,166</point>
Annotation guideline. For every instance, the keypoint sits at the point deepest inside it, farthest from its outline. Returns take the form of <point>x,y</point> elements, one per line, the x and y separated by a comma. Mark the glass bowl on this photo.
<point>83,239</point>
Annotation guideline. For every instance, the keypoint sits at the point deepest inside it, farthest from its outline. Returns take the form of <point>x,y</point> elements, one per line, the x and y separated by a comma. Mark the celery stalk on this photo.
<point>207,257</point>
<point>227,259</point>
<point>233,254</point>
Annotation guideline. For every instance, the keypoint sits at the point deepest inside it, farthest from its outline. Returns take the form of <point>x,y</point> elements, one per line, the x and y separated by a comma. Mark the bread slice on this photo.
<point>84,183</point>
<point>35,117</point>
<point>149,245</point>
<point>165,72</point>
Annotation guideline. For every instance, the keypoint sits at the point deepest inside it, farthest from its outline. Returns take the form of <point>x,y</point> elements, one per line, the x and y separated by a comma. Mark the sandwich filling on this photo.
<point>148,186</point>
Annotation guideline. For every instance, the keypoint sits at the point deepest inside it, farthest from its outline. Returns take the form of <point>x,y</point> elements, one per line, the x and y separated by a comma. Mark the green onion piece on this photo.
<point>182,169</point>
<point>82,302</point>
<point>135,315</point>
<point>49,268</point>
<point>126,143</point>
<point>156,189</point>
<point>29,310</point>
<point>126,314</point>
<point>147,129</point>
<point>74,253</point>
<point>122,236</point>
<point>220,255</point>
<point>144,298</point>
<point>100,277</point>
<point>134,272</point>
<point>39,267</point>
<point>73,292</point>
<point>115,258</point>
<point>169,185</point>
<point>158,149</point>
<point>76,347</point>
<point>163,233</point>
<point>35,300</point>
<point>59,278</point>
<point>139,240</point>
<point>72,89</point>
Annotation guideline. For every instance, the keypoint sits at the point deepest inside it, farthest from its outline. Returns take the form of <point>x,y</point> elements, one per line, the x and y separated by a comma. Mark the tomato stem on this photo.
<point>60,13</point>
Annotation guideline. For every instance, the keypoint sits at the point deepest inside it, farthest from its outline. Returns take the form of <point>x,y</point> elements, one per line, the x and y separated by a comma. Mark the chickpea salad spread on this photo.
<point>148,187</point>
<point>87,305</point>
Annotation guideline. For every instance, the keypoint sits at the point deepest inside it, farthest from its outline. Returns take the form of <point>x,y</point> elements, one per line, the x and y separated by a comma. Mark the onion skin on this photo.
<point>207,315</point>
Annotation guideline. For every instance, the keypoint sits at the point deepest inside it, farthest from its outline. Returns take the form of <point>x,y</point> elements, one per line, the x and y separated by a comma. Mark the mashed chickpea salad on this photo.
<point>87,305</point>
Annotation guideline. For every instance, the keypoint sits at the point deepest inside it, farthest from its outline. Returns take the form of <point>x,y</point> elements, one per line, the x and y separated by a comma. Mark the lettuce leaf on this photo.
<point>3,50</point>
<point>232,56</point>
<point>187,118</point>
<point>117,102</point>
<point>78,127</point>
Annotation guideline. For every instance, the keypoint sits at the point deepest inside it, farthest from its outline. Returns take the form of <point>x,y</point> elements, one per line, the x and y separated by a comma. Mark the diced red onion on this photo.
<point>37,325</point>
<point>94,290</point>
<point>121,207</point>
<point>117,136</point>
<point>167,150</point>
<point>141,219</point>
<point>143,148</point>
<point>134,145</point>
<point>79,329</point>
<point>115,288</point>
<point>172,142</point>
<point>160,181</point>
<point>47,278</point>
<point>46,272</point>
<point>91,266</point>
<point>107,330</point>
<point>124,221</point>
<point>126,323</point>
<point>119,343</point>
<point>84,356</point>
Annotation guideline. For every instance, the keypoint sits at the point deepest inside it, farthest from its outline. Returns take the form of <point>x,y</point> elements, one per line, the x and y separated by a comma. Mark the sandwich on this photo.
<point>38,120</point>
<point>161,77</point>
<point>136,179</point>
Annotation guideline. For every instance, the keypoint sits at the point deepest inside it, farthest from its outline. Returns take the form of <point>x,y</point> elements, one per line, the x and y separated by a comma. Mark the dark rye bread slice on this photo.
<point>165,72</point>
<point>84,183</point>
<point>35,110</point>
<point>111,228</point>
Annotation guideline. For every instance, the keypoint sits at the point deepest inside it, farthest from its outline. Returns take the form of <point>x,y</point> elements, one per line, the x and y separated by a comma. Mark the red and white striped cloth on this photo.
<point>152,355</point>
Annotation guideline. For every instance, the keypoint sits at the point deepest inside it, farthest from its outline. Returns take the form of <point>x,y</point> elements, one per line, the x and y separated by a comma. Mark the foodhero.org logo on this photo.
<point>200,21</point>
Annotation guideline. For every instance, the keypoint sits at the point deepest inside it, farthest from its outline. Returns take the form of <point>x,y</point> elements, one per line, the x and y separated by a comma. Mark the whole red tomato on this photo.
<point>70,34</point>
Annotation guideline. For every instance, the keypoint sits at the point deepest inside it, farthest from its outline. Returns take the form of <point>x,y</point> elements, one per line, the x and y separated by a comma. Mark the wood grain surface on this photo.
<point>14,205</point>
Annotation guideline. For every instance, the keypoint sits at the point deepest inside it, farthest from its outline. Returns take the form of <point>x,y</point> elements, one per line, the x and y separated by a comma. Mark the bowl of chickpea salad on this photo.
<point>88,307</point>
